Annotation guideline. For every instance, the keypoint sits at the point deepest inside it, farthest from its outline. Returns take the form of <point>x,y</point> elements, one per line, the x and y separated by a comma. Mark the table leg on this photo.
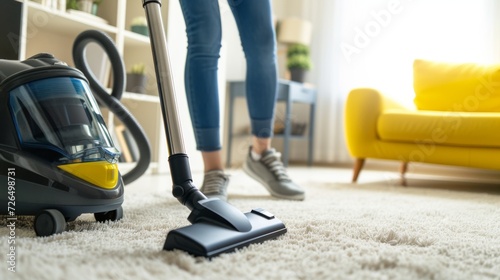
<point>311,135</point>
<point>230,130</point>
<point>288,131</point>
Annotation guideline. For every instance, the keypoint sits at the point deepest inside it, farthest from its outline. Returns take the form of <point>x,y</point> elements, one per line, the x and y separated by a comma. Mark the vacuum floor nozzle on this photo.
<point>207,239</point>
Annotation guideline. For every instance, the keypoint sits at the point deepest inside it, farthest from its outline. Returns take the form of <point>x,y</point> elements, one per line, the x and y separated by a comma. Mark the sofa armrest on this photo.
<point>362,109</point>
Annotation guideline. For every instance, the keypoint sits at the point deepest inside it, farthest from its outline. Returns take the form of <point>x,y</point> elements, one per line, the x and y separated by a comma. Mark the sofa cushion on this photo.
<point>460,87</point>
<point>440,128</point>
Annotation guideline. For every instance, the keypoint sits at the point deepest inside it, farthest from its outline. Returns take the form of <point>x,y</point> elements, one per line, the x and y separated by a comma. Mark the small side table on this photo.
<point>289,92</point>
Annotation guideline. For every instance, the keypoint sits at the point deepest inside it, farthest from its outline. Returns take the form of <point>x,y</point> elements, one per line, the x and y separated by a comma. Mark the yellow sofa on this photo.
<point>456,119</point>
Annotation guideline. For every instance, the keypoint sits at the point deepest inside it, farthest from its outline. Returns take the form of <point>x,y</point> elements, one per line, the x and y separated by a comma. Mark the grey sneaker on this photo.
<point>270,172</point>
<point>215,184</point>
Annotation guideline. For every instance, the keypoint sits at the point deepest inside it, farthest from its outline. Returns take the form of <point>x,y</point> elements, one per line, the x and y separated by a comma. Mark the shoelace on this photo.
<point>273,162</point>
<point>213,182</point>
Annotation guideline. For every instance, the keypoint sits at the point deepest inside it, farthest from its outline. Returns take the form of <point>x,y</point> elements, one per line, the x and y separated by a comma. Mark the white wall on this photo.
<point>233,59</point>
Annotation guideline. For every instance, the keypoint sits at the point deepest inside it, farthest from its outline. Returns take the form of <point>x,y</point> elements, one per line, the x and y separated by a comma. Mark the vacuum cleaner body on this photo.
<point>56,154</point>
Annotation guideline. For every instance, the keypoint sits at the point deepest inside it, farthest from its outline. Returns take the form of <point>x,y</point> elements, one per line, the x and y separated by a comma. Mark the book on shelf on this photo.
<point>126,144</point>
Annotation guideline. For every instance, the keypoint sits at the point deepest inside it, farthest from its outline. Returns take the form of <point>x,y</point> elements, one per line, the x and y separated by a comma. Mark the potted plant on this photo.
<point>140,25</point>
<point>71,5</point>
<point>88,6</point>
<point>298,62</point>
<point>83,5</point>
<point>136,79</point>
<point>95,5</point>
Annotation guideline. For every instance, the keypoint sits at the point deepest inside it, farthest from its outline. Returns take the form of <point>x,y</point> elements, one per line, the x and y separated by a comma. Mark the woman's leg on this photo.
<point>256,29</point>
<point>255,25</point>
<point>204,33</point>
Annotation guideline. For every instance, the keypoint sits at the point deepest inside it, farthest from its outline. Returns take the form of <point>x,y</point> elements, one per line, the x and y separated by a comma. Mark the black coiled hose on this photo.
<point>112,101</point>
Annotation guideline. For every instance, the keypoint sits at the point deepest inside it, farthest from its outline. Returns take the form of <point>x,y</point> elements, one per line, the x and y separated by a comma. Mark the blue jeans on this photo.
<point>204,33</point>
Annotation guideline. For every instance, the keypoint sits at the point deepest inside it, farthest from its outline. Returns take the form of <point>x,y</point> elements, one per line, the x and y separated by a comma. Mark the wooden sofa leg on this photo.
<point>402,171</point>
<point>358,165</point>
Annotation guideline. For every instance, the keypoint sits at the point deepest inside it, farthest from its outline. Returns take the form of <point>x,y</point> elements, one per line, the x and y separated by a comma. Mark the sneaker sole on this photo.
<point>254,176</point>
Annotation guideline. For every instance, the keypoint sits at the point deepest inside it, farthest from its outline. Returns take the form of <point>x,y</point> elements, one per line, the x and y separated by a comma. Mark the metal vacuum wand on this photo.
<point>164,78</point>
<point>183,188</point>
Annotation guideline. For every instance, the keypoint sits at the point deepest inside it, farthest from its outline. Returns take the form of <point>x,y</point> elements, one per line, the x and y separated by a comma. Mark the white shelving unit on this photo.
<point>53,31</point>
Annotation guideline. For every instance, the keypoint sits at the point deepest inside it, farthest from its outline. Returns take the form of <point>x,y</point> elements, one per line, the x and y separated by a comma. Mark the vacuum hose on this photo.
<point>112,101</point>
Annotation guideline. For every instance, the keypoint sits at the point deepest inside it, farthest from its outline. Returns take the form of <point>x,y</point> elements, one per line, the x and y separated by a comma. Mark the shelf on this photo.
<point>42,29</point>
<point>141,97</point>
<point>294,137</point>
<point>62,22</point>
<point>133,39</point>
<point>298,137</point>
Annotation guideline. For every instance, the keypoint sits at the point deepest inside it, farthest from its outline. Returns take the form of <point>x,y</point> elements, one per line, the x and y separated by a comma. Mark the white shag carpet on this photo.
<point>373,230</point>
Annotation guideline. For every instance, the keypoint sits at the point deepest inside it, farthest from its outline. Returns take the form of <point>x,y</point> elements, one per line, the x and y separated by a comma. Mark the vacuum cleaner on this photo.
<point>56,154</point>
<point>217,226</point>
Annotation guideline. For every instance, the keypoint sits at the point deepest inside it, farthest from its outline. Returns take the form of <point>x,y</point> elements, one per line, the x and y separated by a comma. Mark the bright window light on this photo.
<point>381,38</point>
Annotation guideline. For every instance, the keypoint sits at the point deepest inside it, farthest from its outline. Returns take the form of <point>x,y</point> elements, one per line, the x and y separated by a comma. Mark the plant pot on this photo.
<point>85,5</point>
<point>141,29</point>
<point>94,9</point>
<point>298,74</point>
<point>136,83</point>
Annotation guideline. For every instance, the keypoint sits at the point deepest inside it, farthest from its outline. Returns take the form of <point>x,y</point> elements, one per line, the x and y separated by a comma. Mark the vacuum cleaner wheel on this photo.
<point>49,221</point>
<point>113,215</point>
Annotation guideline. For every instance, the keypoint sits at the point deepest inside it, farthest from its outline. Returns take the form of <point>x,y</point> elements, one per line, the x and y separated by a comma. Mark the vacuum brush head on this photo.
<point>209,239</point>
